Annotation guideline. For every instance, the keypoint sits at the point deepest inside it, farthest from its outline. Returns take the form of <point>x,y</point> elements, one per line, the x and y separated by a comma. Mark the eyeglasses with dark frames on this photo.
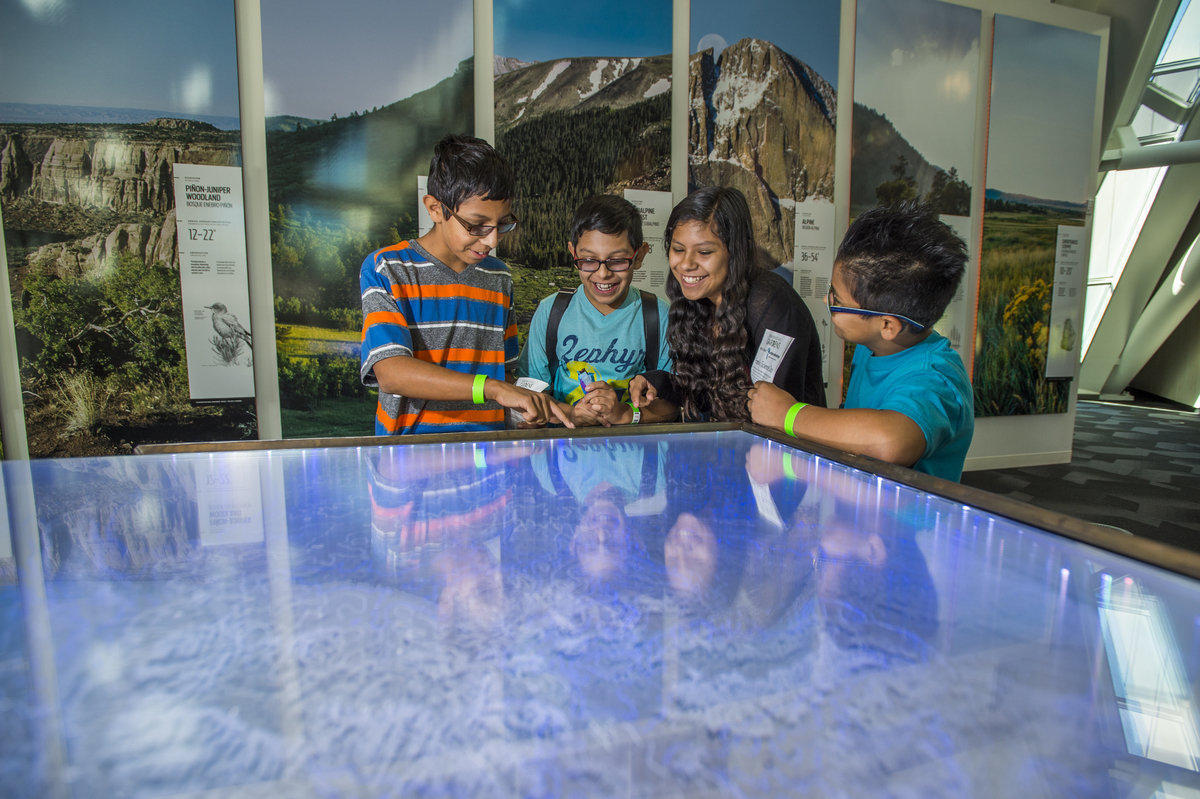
<point>480,231</point>
<point>919,328</point>
<point>593,264</point>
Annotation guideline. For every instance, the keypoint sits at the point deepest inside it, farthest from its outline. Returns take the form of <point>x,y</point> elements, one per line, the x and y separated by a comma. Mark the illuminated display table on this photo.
<point>684,611</point>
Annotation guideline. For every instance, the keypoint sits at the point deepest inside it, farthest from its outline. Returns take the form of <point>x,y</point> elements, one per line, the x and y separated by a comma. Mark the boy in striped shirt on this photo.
<point>439,339</point>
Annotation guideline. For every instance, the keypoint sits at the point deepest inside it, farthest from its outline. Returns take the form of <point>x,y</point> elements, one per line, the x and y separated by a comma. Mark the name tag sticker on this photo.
<point>770,354</point>
<point>532,383</point>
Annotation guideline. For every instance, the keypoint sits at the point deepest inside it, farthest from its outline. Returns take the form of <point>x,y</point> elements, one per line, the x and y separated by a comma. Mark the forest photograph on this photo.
<point>576,115</point>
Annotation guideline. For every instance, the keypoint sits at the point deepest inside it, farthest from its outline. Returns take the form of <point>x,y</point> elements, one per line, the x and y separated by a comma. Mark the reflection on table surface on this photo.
<point>703,614</point>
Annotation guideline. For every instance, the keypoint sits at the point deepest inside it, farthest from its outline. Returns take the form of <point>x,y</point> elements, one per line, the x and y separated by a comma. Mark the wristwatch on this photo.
<point>637,414</point>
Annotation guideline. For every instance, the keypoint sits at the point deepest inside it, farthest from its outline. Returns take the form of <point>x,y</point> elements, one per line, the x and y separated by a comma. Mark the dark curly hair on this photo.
<point>707,341</point>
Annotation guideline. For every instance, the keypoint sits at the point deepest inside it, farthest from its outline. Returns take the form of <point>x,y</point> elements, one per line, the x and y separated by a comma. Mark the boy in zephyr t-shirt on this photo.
<point>601,337</point>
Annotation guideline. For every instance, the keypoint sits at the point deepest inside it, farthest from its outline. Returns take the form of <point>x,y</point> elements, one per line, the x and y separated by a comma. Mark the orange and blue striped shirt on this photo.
<point>414,305</point>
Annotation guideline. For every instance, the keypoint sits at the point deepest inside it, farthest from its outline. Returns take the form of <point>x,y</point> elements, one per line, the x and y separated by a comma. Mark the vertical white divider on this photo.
<point>983,105</point>
<point>841,175</point>
<point>485,87</point>
<point>258,222</point>
<point>681,34</point>
<point>12,407</point>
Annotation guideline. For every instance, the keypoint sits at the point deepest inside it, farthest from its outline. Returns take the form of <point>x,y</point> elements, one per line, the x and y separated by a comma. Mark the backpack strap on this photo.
<point>561,301</point>
<point>650,320</point>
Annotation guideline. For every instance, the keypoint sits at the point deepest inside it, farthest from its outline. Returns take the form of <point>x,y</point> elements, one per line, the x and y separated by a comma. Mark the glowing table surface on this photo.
<point>689,614</point>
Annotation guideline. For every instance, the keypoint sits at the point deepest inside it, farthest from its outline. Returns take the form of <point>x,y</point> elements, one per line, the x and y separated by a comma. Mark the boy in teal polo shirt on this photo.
<point>909,400</point>
<point>600,341</point>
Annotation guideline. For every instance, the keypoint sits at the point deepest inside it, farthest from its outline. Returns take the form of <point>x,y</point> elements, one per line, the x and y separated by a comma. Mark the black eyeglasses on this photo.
<point>592,264</point>
<point>864,312</point>
<point>482,230</point>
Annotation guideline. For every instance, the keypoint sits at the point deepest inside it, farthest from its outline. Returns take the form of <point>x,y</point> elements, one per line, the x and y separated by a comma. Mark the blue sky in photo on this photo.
<point>166,56</point>
<point>917,63</point>
<point>540,30</point>
<point>1043,110</point>
<point>807,30</point>
<point>322,57</point>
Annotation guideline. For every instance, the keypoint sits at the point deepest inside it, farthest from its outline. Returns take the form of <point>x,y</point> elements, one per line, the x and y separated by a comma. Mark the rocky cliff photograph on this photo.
<point>348,133</point>
<point>762,108</point>
<point>583,107</point>
<point>90,129</point>
<point>1039,169</point>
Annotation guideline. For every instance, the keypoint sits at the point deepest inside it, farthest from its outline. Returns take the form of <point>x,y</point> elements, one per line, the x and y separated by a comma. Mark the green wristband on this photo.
<point>790,419</point>
<point>480,459</point>
<point>477,389</point>
<point>788,471</point>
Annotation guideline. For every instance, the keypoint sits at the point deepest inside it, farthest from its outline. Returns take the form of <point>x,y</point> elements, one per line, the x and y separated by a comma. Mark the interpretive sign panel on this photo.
<point>656,210</point>
<point>1066,304</point>
<point>212,274</point>
<point>813,266</point>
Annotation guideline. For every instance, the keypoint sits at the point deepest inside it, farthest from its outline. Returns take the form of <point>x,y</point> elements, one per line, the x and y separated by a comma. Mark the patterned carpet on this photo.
<point>1135,467</point>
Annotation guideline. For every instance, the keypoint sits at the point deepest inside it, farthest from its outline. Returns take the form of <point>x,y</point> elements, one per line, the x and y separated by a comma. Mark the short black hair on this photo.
<point>903,259</point>
<point>463,167</point>
<point>608,214</point>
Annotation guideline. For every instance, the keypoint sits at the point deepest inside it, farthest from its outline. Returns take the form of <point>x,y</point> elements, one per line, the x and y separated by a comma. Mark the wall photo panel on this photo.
<point>583,107</point>
<point>348,135</point>
<point>916,90</point>
<point>762,118</point>
<point>89,138</point>
<point>1039,172</point>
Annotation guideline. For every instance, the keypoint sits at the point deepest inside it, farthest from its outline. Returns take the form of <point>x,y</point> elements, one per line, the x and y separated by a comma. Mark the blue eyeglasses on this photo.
<point>864,312</point>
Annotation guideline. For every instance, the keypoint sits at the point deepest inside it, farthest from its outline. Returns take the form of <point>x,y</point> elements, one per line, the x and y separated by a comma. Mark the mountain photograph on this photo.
<point>916,75</point>
<point>763,122</point>
<point>576,127</point>
<point>762,109</point>
<point>576,115</point>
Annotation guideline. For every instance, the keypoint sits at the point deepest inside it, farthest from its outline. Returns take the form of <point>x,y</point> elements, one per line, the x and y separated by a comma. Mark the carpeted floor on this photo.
<point>1135,467</point>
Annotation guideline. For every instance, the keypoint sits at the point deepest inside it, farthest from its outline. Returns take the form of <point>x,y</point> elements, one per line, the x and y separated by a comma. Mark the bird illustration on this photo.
<point>226,324</point>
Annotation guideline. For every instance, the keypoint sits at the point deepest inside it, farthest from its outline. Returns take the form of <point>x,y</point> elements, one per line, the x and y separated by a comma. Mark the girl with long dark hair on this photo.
<point>723,306</point>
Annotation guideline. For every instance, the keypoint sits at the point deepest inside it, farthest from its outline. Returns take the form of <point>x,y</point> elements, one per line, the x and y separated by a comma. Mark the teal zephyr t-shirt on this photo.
<point>928,384</point>
<point>610,348</point>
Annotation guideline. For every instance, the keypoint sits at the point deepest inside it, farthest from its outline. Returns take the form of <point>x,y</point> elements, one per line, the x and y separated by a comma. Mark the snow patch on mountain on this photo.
<point>660,86</point>
<point>596,77</point>
<point>735,95</point>
<point>555,71</point>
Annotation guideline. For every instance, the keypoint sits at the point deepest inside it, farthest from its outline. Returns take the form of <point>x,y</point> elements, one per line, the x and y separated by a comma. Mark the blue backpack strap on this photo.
<point>650,320</point>
<point>561,301</point>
